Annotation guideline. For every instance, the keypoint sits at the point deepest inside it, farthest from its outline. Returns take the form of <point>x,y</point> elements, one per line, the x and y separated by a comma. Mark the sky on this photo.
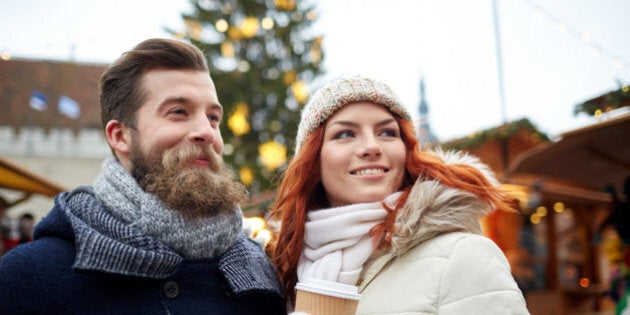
<point>553,54</point>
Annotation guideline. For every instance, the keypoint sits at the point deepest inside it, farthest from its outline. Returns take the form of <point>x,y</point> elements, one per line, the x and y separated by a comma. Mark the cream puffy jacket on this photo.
<point>439,262</point>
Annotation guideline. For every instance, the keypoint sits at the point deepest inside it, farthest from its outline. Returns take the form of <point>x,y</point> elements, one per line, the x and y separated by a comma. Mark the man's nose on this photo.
<point>202,131</point>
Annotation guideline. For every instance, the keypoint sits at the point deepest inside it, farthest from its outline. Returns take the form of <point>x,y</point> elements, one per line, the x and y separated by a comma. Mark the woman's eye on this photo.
<point>389,133</point>
<point>344,134</point>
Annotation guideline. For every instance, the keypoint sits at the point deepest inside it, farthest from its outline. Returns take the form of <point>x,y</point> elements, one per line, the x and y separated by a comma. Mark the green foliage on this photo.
<point>260,72</point>
<point>498,133</point>
<point>606,102</point>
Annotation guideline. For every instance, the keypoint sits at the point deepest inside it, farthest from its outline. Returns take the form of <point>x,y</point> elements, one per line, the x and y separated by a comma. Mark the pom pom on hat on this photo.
<point>330,98</point>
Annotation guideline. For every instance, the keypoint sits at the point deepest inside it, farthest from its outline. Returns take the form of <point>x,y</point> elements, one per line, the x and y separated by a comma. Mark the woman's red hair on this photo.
<point>301,191</point>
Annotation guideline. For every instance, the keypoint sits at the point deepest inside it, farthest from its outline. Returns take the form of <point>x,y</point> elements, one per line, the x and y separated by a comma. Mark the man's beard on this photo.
<point>192,190</point>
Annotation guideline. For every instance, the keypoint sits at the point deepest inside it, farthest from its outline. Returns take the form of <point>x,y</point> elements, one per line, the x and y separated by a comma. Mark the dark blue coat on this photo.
<point>39,278</point>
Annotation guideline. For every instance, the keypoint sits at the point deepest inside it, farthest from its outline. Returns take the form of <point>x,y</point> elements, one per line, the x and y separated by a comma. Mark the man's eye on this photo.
<point>178,111</point>
<point>214,117</point>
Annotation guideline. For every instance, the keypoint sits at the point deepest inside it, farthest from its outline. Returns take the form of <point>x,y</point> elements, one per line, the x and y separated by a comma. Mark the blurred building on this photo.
<point>49,127</point>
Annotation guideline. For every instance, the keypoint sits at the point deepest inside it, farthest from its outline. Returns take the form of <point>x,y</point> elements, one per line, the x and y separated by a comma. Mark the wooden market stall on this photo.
<point>16,177</point>
<point>560,190</point>
<point>572,181</point>
<point>17,180</point>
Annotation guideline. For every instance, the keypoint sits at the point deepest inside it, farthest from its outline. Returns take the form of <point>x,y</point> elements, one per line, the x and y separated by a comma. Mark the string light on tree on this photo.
<point>249,27</point>
<point>267,23</point>
<point>194,29</point>
<point>221,26</point>
<point>300,91</point>
<point>286,5</point>
<point>272,154</point>
<point>246,175</point>
<point>238,120</point>
<point>227,49</point>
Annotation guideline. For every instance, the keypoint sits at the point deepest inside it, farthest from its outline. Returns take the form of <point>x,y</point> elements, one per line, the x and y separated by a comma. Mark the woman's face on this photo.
<point>363,155</point>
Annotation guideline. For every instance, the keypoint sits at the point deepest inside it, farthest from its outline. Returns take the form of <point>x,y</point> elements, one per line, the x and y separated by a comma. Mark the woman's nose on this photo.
<point>371,148</point>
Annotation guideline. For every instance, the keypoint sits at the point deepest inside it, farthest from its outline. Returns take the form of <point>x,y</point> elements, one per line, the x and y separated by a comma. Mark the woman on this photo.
<point>361,204</point>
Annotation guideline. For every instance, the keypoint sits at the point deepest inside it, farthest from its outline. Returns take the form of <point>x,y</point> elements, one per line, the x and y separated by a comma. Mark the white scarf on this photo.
<point>336,241</point>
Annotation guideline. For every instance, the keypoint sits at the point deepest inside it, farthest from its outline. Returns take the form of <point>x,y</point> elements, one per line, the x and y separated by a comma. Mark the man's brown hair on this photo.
<point>121,92</point>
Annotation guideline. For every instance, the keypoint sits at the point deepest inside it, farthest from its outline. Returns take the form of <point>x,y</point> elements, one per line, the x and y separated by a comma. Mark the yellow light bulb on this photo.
<point>227,49</point>
<point>246,175</point>
<point>221,25</point>
<point>238,120</point>
<point>249,27</point>
<point>267,23</point>
<point>558,207</point>
<point>6,55</point>
<point>534,218</point>
<point>286,5</point>
<point>255,224</point>
<point>289,77</point>
<point>272,154</point>
<point>300,91</point>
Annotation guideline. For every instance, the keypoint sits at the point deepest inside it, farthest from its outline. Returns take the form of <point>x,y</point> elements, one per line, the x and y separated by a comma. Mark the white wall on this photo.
<point>59,157</point>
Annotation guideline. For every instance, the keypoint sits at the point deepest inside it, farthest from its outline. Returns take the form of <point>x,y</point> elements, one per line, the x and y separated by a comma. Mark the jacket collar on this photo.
<point>433,209</point>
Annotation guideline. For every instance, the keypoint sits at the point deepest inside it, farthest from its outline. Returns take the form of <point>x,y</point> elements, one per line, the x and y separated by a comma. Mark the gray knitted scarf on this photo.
<point>192,238</point>
<point>105,243</point>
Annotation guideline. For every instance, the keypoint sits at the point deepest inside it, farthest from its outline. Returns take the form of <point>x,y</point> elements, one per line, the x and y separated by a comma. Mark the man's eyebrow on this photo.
<point>186,100</point>
<point>216,106</point>
<point>175,99</point>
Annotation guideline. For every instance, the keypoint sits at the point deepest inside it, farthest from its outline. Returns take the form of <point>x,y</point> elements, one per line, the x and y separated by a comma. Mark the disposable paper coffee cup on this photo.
<point>320,297</point>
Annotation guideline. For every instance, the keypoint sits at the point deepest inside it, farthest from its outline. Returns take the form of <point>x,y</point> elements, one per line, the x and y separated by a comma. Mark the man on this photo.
<point>26,223</point>
<point>160,230</point>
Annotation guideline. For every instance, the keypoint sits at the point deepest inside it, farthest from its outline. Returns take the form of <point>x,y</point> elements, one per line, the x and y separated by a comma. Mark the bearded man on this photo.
<point>160,230</point>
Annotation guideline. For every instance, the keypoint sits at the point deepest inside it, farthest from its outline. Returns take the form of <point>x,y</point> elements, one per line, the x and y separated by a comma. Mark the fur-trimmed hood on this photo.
<point>433,208</point>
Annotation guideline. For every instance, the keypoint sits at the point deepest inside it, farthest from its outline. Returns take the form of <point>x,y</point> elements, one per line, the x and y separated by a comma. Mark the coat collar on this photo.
<point>433,209</point>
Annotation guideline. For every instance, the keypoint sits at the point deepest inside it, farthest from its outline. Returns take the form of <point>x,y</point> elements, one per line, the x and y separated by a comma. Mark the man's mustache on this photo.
<point>182,157</point>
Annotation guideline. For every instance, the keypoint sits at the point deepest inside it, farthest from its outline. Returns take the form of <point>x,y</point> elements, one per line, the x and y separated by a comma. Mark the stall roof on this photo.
<point>594,157</point>
<point>15,177</point>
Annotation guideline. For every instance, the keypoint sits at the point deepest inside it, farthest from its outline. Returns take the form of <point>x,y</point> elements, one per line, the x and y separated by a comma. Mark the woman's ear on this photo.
<point>118,136</point>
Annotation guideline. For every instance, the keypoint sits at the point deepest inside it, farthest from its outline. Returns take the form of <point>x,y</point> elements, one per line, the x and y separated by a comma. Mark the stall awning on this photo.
<point>594,157</point>
<point>15,177</point>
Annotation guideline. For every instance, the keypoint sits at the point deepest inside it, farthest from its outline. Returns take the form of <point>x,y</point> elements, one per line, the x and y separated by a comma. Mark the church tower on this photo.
<point>425,135</point>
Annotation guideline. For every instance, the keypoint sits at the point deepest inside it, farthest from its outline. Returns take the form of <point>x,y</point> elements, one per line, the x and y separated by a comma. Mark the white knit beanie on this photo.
<point>330,98</point>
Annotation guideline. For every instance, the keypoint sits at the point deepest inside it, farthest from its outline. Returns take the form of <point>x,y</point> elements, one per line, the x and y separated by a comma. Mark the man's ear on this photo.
<point>118,136</point>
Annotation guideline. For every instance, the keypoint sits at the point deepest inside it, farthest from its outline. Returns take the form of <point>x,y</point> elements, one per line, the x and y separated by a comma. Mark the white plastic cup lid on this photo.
<point>336,289</point>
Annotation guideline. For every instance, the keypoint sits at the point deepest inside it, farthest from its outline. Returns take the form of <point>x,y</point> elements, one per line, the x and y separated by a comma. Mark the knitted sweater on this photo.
<point>45,276</point>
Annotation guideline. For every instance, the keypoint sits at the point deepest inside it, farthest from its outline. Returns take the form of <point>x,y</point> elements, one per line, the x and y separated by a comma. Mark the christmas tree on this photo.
<point>262,55</point>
